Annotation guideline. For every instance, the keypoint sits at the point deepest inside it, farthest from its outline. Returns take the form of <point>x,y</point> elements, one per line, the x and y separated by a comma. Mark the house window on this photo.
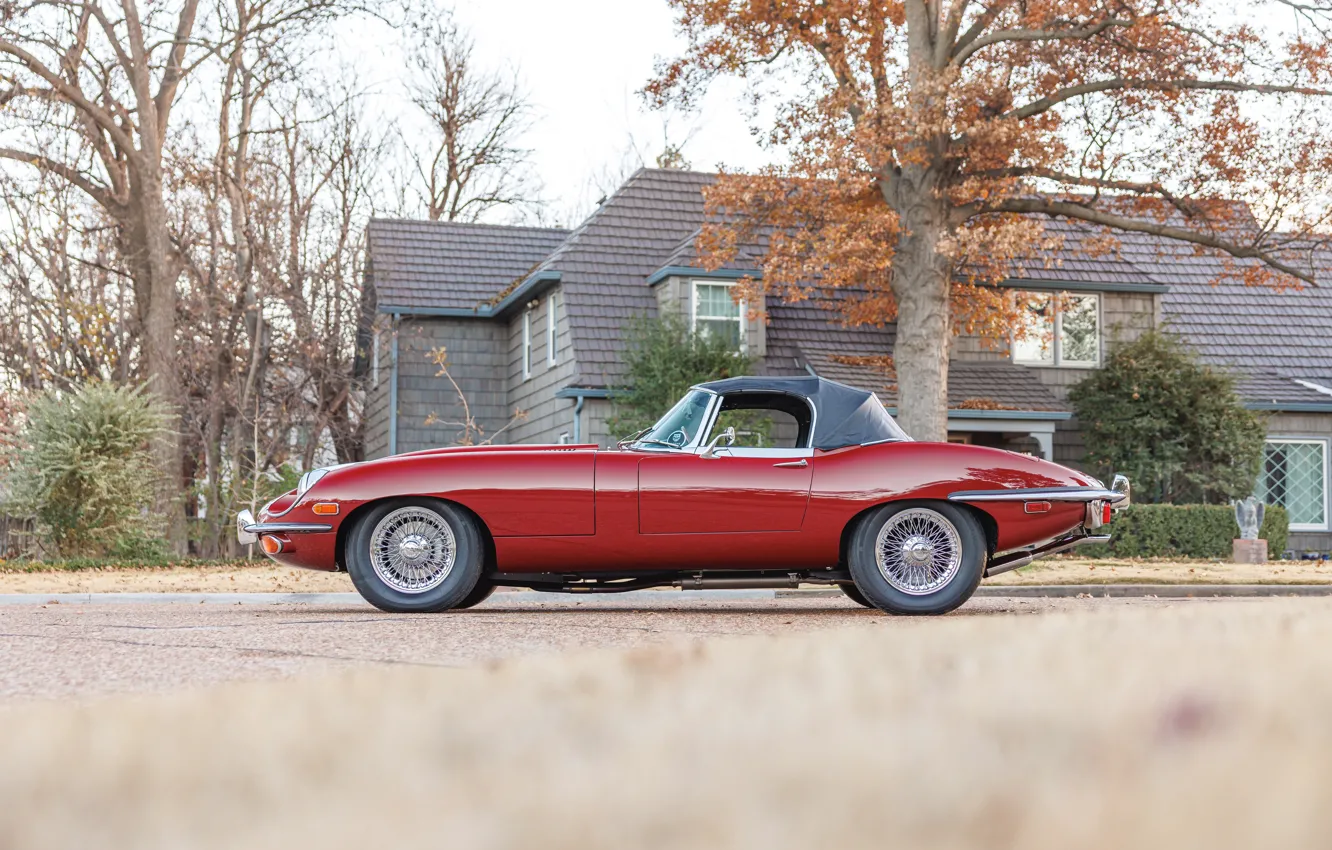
<point>1294,475</point>
<point>551,304</point>
<point>1059,329</point>
<point>527,344</point>
<point>716,313</point>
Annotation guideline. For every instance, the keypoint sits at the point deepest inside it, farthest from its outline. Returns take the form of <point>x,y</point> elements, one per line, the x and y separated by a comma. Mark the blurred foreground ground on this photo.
<point>1103,724</point>
<point>64,650</point>
<point>262,576</point>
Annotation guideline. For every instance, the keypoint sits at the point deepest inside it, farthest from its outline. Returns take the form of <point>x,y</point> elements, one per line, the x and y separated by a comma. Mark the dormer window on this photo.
<point>1059,329</point>
<point>717,314</point>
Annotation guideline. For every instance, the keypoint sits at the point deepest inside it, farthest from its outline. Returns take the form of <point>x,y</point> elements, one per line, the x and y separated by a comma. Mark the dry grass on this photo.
<point>1072,570</point>
<point>229,577</point>
<point>263,576</point>
<point>1194,725</point>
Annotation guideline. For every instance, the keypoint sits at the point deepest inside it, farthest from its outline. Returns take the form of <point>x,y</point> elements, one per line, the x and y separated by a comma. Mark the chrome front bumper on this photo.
<point>248,531</point>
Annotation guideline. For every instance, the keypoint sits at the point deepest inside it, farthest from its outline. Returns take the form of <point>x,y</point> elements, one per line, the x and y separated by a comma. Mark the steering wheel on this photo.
<point>678,438</point>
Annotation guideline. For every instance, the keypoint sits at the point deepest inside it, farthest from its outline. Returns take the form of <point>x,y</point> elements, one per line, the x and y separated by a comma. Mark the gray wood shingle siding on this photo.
<point>547,416</point>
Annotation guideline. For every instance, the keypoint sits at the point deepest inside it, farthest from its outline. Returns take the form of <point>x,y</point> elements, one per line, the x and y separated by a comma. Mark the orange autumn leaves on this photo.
<point>1167,117</point>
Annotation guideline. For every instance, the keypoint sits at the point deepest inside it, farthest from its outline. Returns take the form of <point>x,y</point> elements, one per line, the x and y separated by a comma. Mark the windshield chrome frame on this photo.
<point>695,444</point>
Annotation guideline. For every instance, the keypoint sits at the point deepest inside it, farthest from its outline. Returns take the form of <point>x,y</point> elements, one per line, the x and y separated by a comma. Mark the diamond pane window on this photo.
<point>717,314</point>
<point>1294,475</point>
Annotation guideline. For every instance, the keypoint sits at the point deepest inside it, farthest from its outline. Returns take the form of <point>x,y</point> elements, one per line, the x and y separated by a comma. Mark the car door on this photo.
<point>734,490</point>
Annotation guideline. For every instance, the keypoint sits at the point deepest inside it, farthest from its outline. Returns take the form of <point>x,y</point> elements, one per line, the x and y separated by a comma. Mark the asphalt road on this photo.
<point>62,651</point>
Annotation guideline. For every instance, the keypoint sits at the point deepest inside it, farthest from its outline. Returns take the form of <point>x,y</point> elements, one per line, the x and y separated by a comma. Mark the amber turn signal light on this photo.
<point>325,508</point>
<point>271,545</point>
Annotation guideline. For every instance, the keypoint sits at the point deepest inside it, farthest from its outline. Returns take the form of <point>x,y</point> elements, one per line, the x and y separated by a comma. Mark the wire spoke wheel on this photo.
<point>918,551</point>
<point>412,550</point>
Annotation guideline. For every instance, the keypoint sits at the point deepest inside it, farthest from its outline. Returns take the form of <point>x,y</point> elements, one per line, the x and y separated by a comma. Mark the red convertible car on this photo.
<point>746,482</point>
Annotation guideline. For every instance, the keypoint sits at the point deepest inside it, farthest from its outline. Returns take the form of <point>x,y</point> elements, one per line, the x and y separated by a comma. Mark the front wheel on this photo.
<point>416,555</point>
<point>853,593</point>
<point>918,557</point>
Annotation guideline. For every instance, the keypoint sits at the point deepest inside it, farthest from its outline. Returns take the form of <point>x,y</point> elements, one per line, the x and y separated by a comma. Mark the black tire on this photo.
<point>479,594</point>
<point>459,582</point>
<point>853,593</point>
<point>955,584</point>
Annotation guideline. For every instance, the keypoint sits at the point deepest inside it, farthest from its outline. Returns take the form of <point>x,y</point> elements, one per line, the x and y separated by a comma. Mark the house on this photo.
<point>532,320</point>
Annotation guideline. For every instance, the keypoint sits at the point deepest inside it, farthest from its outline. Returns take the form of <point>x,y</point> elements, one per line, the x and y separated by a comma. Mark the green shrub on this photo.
<point>1174,426</point>
<point>81,467</point>
<point>662,359</point>
<point>1184,531</point>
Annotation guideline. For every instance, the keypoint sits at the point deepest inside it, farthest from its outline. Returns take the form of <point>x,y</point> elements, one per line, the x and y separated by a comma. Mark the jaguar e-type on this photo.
<point>752,482</point>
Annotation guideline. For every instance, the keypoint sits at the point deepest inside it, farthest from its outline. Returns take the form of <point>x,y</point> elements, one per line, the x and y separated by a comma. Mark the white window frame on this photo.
<point>527,344</point>
<point>693,312</point>
<point>374,358</point>
<point>1056,344</point>
<point>551,304</point>
<point>1322,445</point>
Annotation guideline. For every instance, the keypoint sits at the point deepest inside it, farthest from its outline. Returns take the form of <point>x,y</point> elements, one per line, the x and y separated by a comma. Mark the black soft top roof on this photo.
<point>843,416</point>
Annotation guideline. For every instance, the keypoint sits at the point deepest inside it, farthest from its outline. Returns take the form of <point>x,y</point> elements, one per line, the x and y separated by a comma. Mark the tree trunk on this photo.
<point>156,271</point>
<point>920,284</point>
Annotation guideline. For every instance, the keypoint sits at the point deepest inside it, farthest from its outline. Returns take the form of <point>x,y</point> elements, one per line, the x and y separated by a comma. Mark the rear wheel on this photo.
<point>918,557</point>
<point>412,555</point>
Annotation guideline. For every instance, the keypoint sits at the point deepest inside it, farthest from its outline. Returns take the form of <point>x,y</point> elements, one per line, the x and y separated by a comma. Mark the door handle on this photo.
<point>792,464</point>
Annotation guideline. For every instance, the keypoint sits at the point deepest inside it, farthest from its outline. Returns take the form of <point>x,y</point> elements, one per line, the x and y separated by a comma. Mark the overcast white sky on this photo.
<point>582,63</point>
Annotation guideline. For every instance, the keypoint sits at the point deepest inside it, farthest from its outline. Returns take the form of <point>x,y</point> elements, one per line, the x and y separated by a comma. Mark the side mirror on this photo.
<point>728,435</point>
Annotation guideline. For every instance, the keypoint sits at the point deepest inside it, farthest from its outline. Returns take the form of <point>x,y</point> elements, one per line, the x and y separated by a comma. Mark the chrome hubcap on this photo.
<point>918,551</point>
<point>412,550</point>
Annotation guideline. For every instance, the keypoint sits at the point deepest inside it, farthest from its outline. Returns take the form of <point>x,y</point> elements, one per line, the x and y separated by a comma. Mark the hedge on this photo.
<point>1184,531</point>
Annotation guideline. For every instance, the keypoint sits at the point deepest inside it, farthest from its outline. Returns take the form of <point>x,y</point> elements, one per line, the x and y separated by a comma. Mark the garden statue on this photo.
<point>1248,549</point>
<point>1249,514</point>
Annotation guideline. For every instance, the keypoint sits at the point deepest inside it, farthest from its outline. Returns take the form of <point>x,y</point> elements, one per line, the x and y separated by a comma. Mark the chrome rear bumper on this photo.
<point>248,531</point>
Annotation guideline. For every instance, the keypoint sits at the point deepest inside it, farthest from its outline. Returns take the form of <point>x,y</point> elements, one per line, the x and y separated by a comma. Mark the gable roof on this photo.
<point>441,265</point>
<point>649,226</point>
<point>605,262</point>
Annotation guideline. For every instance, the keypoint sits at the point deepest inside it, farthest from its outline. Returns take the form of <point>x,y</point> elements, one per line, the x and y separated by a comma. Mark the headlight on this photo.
<point>309,479</point>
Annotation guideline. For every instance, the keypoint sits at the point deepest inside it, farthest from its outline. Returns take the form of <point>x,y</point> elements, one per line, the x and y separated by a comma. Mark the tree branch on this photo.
<point>1036,107</point>
<point>1081,212</point>
<point>964,53</point>
<point>98,193</point>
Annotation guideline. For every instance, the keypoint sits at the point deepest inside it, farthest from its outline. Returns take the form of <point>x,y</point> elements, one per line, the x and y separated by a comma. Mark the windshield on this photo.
<point>679,427</point>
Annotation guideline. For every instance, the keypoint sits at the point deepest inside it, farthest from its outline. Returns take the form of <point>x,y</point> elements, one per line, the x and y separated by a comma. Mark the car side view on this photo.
<point>751,482</point>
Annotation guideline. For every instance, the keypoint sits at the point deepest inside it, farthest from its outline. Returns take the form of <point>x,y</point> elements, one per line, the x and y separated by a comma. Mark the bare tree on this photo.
<point>477,119</point>
<point>109,74</point>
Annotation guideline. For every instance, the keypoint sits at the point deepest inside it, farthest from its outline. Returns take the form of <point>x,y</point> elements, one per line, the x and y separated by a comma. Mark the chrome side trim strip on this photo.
<point>1043,494</point>
<point>287,527</point>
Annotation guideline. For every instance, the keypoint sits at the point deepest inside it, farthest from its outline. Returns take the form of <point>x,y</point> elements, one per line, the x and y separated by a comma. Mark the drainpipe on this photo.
<point>578,419</point>
<point>393,387</point>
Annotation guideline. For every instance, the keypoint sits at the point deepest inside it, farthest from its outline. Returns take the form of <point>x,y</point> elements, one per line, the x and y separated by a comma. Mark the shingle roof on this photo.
<point>1264,335</point>
<point>604,264</point>
<point>447,265</point>
<point>1267,337</point>
<point>971,384</point>
<point>1268,388</point>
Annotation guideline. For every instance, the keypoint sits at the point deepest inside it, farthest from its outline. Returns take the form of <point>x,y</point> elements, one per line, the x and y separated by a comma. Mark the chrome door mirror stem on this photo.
<point>711,451</point>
